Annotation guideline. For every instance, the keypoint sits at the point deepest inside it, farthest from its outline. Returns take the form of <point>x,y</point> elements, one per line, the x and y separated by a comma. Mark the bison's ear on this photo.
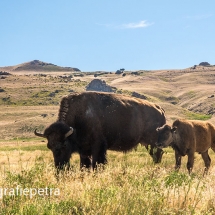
<point>173,129</point>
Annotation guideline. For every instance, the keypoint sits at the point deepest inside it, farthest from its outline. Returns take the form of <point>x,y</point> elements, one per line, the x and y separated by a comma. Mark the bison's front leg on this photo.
<point>158,155</point>
<point>190,160</point>
<point>207,161</point>
<point>85,161</point>
<point>177,160</point>
<point>99,155</point>
<point>155,153</point>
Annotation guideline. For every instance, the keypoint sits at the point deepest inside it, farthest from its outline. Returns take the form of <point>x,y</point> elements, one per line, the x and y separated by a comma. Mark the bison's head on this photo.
<point>165,136</point>
<point>59,142</point>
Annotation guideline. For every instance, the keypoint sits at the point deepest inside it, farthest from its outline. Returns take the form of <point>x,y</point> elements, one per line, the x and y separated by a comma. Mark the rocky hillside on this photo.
<point>37,65</point>
<point>31,99</point>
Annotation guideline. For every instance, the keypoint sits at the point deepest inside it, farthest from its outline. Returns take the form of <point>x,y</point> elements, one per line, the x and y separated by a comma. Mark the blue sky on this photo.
<point>107,35</point>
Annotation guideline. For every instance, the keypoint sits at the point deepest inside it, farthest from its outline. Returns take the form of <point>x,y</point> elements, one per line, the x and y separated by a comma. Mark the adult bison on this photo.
<point>187,137</point>
<point>90,123</point>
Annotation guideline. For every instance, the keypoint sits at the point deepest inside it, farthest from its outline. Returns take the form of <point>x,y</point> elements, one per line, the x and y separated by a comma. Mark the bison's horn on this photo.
<point>38,134</point>
<point>69,132</point>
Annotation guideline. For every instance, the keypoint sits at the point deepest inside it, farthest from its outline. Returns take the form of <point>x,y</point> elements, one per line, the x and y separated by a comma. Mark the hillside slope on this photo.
<point>39,66</point>
<point>29,100</point>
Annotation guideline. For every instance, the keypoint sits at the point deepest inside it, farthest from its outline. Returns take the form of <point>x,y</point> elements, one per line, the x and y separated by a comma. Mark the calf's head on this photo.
<point>165,136</point>
<point>58,135</point>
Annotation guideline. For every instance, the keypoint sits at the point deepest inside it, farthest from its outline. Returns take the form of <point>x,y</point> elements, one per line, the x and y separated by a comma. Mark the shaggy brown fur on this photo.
<point>103,121</point>
<point>187,137</point>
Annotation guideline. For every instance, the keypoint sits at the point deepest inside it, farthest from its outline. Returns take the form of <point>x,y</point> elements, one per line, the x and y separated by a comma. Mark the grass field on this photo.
<point>130,183</point>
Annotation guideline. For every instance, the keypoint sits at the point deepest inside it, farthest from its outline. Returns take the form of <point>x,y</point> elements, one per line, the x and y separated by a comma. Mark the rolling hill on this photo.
<point>39,66</point>
<point>29,99</point>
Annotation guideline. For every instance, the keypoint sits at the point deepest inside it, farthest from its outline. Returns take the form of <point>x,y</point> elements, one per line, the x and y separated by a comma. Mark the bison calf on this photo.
<point>187,137</point>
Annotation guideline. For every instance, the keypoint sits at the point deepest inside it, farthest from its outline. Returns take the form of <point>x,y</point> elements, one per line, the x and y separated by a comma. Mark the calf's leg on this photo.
<point>207,161</point>
<point>177,160</point>
<point>190,160</point>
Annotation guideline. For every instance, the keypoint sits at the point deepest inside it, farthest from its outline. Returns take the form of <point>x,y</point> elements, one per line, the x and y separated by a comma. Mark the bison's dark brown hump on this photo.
<point>64,108</point>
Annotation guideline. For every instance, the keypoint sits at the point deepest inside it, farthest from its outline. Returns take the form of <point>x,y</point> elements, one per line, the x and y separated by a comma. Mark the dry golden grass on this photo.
<point>21,121</point>
<point>129,184</point>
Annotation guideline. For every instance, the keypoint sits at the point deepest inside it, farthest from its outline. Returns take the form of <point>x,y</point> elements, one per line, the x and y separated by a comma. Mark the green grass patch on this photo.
<point>191,94</point>
<point>25,148</point>
<point>125,92</point>
<point>164,79</point>
<point>196,116</point>
<point>30,128</point>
